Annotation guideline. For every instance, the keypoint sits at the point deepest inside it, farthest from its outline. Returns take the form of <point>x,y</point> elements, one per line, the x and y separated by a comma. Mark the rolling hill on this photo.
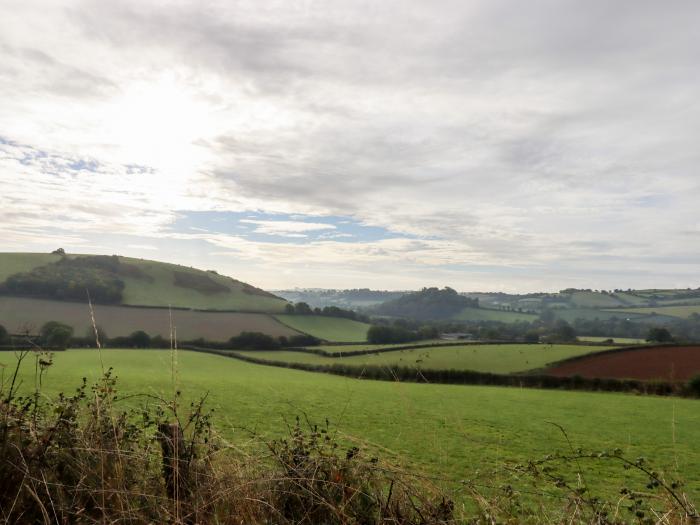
<point>133,282</point>
<point>129,295</point>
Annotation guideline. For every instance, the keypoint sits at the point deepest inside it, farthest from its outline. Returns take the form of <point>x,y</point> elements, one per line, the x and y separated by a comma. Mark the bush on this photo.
<point>56,335</point>
<point>659,335</point>
<point>4,335</point>
<point>140,339</point>
<point>253,341</point>
<point>378,334</point>
<point>694,385</point>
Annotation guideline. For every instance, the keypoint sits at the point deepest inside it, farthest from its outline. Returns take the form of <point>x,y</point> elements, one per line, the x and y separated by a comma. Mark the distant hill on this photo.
<point>354,299</point>
<point>427,304</point>
<point>117,280</point>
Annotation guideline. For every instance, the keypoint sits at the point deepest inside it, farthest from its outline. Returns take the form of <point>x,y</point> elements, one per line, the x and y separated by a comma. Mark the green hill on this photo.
<point>127,281</point>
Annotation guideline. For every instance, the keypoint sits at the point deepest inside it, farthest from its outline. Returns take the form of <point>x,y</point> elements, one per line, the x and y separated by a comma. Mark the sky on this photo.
<point>485,145</point>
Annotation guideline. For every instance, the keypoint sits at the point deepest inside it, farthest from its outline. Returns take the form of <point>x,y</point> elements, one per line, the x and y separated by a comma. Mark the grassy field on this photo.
<point>158,285</point>
<point>594,300</point>
<point>445,429</point>
<point>571,314</point>
<point>673,311</point>
<point>485,314</point>
<point>20,314</point>
<point>334,329</point>
<point>500,359</point>
<point>337,349</point>
<point>617,340</point>
<point>11,263</point>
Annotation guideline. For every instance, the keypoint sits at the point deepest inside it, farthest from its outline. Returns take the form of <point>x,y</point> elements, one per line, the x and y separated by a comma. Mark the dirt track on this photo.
<point>678,363</point>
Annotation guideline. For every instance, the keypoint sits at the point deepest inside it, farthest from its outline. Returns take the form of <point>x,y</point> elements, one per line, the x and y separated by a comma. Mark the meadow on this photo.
<point>486,314</point>
<point>683,311</point>
<point>334,329</point>
<point>498,359</point>
<point>454,432</point>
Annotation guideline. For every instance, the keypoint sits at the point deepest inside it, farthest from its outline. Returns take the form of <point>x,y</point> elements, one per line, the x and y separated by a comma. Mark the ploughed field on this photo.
<point>448,430</point>
<point>667,363</point>
<point>19,314</point>
<point>494,358</point>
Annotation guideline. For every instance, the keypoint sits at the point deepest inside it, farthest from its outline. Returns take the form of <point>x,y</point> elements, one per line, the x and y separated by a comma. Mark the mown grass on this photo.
<point>499,359</point>
<point>454,432</point>
<point>485,314</point>
<point>334,329</point>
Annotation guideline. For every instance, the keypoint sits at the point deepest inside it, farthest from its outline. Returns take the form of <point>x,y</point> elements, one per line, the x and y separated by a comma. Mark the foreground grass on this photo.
<point>448,430</point>
<point>334,329</point>
<point>499,359</point>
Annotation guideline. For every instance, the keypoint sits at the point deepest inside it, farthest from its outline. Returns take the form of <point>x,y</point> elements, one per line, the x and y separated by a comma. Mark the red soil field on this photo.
<point>668,363</point>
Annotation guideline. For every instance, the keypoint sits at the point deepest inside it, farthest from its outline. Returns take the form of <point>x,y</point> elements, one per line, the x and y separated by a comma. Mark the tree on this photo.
<point>140,339</point>
<point>55,334</point>
<point>302,309</point>
<point>254,341</point>
<point>289,308</point>
<point>4,335</point>
<point>659,335</point>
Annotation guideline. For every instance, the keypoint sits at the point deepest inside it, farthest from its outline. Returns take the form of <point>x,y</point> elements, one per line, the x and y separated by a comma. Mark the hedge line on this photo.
<point>469,377</point>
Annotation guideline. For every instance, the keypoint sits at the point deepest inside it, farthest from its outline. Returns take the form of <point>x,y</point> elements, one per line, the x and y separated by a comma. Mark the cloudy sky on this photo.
<point>485,145</point>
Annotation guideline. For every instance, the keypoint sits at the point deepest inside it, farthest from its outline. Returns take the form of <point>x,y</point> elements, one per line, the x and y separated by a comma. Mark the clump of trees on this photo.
<point>260,341</point>
<point>427,304</point>
<point>659,335</point>
<point>302,308</point>
<point>385,334</point>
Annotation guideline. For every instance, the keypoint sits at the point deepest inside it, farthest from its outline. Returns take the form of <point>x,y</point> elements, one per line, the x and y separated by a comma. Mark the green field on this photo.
<point>616,340</point>
<point>334,329</point>
<point>11,263</point>
<point>485,314</point>
<point>158,285</point>
<point>338,349</point>
<point>594,300</point>
<point>673,311</point>
<point>20,314</point>
<point>571,314</point>
<point>447,429</point>
<point>499,359</point>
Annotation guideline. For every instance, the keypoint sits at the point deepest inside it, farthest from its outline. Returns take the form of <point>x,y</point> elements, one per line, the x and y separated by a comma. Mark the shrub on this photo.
<point>4,335</point>
<point>56,335</point>
<point>253,341</point>
<point>140,339</point>
<point>694,385</point>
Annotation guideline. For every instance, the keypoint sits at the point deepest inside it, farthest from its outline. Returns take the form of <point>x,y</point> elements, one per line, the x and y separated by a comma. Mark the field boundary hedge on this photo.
<point>469,377</point>
<point>414,346</point>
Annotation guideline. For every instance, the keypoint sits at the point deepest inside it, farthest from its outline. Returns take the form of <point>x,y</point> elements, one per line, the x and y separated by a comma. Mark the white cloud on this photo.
<point>286,228</point>
<point>562,142</point>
